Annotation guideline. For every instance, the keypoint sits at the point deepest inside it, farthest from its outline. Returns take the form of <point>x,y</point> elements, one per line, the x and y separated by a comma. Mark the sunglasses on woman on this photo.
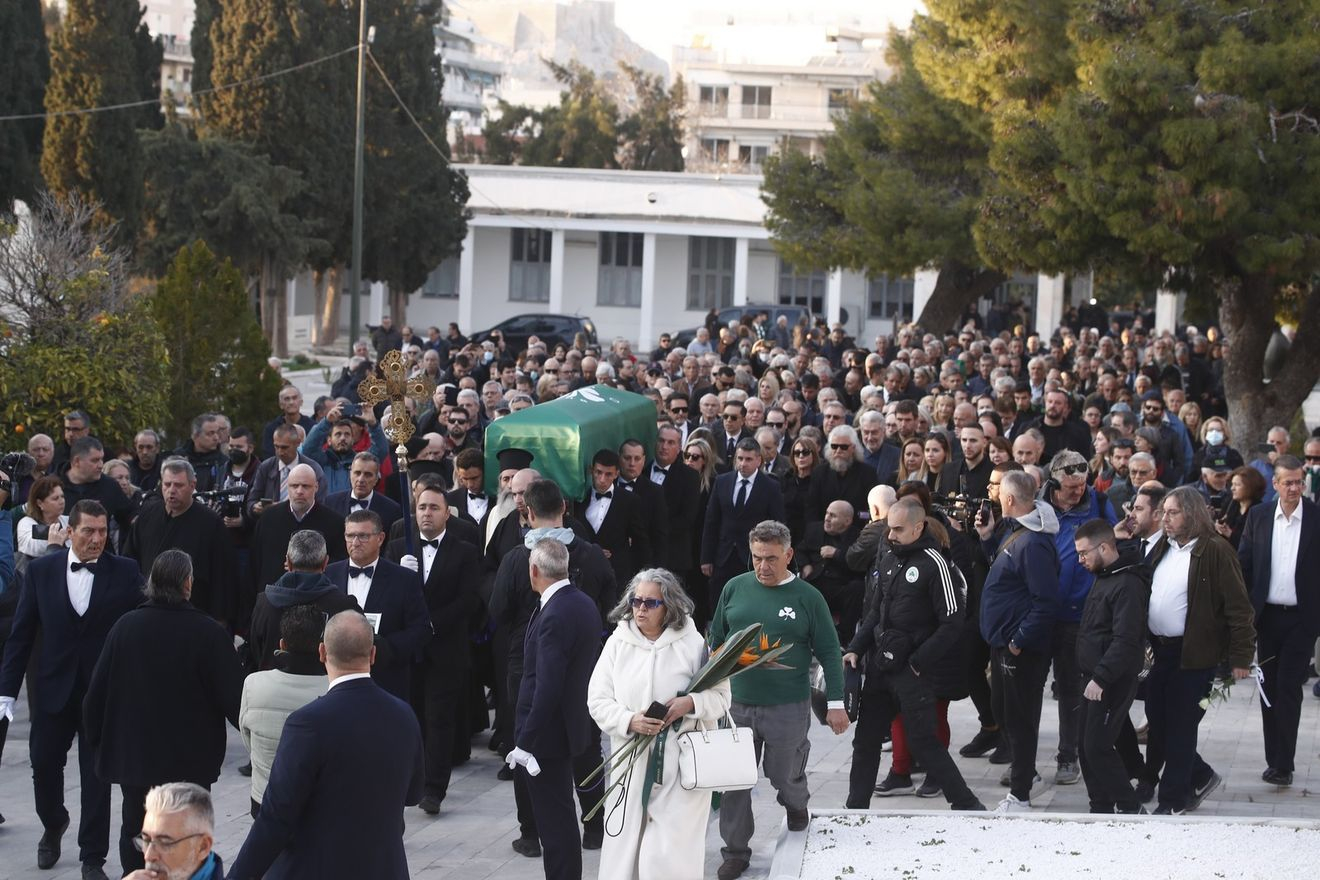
<point>648,604</point>
<point>801,453</point>
<point>693,456</point>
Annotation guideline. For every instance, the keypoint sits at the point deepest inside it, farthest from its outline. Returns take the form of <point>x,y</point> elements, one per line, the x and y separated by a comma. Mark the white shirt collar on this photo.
<point>552,589</point>
<point>751,480</point>
<point>1182,547</point>
<point>370,564</point>
<point>350,677</point>
<point>1296,514</point>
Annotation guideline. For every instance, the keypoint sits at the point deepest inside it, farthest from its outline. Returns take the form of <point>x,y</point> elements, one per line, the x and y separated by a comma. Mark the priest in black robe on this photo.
<point>177,521</point>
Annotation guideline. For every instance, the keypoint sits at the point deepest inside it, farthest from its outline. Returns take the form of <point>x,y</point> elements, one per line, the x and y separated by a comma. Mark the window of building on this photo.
<point>840,99</point>
<point>889,297</point>
<point>715,149</point>
<point>798,289</point>
<point>619,282</point>
<point>442,283</point>
<point>756,102</point>
<point>710,272</point>
<point>752,157</point>
<point>714,100</point>
<point>529,265</point>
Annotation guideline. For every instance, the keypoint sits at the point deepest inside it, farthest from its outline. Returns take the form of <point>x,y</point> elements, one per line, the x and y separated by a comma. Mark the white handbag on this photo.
<point>717,759</point>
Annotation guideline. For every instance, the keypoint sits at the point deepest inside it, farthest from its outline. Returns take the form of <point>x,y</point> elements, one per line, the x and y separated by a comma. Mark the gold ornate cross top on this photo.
<point>392,384</point>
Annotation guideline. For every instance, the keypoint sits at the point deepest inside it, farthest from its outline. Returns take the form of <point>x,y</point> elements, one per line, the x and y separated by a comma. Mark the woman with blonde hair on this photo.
<point>652,655</point>
<point>912,460</point>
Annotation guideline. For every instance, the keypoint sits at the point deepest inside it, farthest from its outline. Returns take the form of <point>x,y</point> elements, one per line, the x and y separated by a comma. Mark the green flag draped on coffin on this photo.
<point>565,433</point>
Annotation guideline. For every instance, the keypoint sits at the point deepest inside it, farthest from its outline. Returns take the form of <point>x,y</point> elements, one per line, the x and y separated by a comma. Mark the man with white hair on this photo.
<point>178,835</point>
<point>848,477</point>
<point>875,451</point>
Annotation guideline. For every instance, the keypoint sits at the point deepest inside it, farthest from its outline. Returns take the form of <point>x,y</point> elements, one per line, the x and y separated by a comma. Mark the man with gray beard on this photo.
<point>847,478</point>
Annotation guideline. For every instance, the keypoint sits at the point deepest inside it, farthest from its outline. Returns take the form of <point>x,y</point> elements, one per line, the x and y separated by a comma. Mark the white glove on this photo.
<point>519,757</point>
<point>409,562</point>
<point>7,709</point>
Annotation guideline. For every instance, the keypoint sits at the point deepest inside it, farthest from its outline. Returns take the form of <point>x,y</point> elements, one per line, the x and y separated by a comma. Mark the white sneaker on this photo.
<point>1011,804</point>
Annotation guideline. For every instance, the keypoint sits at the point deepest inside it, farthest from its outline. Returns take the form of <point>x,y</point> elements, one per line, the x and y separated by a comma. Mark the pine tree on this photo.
<point>583,130</point>
<point>24,70</point>
<point>94,60</point>
<point>652,134</point>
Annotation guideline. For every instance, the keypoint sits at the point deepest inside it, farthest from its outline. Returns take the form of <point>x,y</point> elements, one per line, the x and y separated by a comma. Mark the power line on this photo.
<point>439,152</point>
<point>150,101</point>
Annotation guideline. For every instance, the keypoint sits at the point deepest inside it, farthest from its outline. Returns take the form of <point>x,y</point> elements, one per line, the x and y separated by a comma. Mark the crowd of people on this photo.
<point>934,518</point>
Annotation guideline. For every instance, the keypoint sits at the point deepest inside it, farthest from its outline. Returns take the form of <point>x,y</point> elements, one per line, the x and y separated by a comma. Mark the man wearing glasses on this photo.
<point>1280,557</point>
<point>178,835</point>
<point>1075,504</point>
<point>680,408</point>
<point>731,429</point>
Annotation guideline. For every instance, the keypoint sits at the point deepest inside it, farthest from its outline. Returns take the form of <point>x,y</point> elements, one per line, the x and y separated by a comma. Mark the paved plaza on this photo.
<point>470,838</point>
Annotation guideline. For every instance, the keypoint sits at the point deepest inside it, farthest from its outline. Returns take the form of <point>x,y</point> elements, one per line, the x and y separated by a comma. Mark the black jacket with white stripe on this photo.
<point>923,595</point>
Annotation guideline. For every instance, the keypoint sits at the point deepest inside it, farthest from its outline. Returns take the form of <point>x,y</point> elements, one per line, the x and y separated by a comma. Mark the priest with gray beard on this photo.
<point>847,476</point>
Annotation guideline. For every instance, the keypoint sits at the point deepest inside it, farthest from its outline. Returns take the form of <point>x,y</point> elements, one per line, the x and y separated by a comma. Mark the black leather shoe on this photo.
<point>593,835</point>
<point>1145,792</point>
<point>985,742</point>
<point>797,819</point>
<point>1277,777</point>
<point>732,869</point>
<point>527,846</point>
<point>48,848</point>
<point>1001,754</point>
<point>245,769</point>
<point>430,804</point>
<point>93,872</point>
<point>505,773</point>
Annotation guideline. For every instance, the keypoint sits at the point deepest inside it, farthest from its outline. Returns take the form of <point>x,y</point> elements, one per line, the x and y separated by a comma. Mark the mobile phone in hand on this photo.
<point>657,710</point>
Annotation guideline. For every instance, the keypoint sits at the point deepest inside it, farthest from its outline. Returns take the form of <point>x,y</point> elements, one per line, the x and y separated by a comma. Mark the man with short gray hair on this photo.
<point>177,521</point>
<point>303,583</point>
<point>178,835</point>
<point>279,523</point>
<point>776,703</point>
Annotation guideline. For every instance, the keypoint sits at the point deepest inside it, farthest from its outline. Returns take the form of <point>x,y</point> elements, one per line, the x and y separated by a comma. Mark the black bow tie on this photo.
<point>358,505</point>
<point>90,566</point>
<point>600,496</point>
<point>434,543</point>
<point>663,470</point>
<point>628,484</point>
<point>354,571</point>
<point>476,496</point>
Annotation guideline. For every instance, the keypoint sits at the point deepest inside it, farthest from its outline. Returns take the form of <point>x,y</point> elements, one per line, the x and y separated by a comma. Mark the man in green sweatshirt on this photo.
<point>776,702</point>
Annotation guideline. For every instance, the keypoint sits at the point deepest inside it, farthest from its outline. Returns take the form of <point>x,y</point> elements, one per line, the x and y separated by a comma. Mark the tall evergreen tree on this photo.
<point>94,63</point>
<point>205,14</point>
<point>583,130</point>
<point>24,70</point>
<point>415,206</point>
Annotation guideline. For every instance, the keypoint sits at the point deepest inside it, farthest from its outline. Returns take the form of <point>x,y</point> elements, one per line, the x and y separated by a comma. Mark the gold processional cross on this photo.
<point>392,384</point>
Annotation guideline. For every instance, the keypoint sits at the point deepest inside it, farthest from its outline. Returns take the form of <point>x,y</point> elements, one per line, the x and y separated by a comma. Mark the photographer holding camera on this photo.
<point>177,522</point>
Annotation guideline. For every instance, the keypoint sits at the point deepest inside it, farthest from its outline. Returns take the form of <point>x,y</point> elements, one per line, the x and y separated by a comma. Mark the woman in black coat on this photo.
<point>167,681</point>
<point>804,458</point>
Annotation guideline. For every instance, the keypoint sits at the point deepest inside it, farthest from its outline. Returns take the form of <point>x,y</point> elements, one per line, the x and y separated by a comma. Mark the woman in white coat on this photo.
<point>652,655</point>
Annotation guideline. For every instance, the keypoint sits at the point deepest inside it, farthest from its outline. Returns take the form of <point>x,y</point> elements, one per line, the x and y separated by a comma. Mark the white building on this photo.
<point>641,253</point>
<point>172,21</point>
<point>472,83</point>
<point>740,111</point>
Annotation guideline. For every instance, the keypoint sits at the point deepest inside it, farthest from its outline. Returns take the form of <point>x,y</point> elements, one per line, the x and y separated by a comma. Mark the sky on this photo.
<point>660,24</point>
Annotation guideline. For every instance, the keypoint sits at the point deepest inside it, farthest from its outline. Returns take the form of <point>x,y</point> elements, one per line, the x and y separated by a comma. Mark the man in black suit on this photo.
<point>73,598</point>
<point>512,606</point>
<point>634,477</point>
<point>450,571</point>
<point>346,766</point>
<point>270,539</point>
<point>846,475</point>
<point>615,518</point>
<point>389,595</point>
<point>468,500</point>
<point>362,494</point>
<point>731,428</point>
<point>680,410</point>
<point>738,501</point>
<point>682,493</point>
<point>552,726</point>
<point>1280,556</point>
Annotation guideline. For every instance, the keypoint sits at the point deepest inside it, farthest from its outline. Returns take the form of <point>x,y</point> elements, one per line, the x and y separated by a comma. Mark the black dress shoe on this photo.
<point>732,869</point>
<point>985,742</point>
<point>1277,777</point>
<point>48,848</point>
<point>797,819</point>
<point>1145,791</point>
<point>1002,754</point>
<point>245,769</point>
<point>505,773</point>
<point>527,846</point>
<point>430,804</point>
<point>593,835</point>
<point>92,871</point>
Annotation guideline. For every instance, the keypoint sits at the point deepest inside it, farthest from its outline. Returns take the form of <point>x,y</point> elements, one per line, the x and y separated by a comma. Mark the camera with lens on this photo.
<point>962,508</point>
<point>227,502</point>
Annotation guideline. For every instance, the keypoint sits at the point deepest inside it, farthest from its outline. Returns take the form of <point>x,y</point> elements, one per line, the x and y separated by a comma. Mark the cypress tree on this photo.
<point>94,63</point>
<point>24,70</point>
